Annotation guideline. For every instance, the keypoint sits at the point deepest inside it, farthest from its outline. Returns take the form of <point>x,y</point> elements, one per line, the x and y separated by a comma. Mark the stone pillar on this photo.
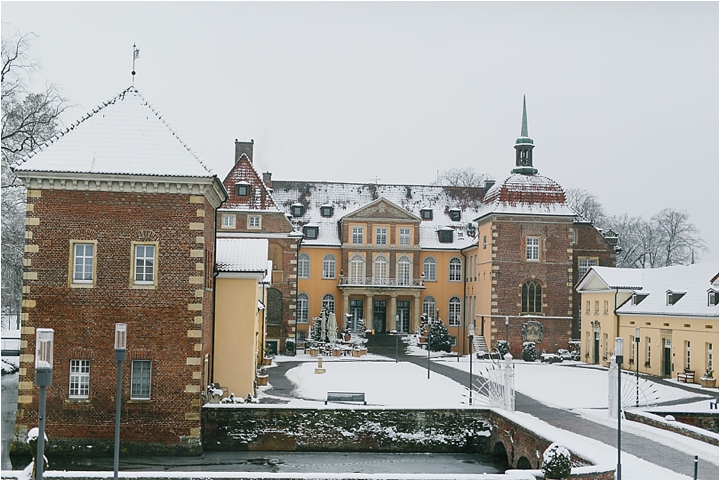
<point>393,309</point>
<point>370,312</point>
<point>509,384</point>
<point>612,388</point>
<point>415,321</point>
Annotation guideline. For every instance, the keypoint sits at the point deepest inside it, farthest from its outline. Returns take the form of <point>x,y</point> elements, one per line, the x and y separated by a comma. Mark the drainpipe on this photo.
<point>297,292</point>
<point>465,303</point>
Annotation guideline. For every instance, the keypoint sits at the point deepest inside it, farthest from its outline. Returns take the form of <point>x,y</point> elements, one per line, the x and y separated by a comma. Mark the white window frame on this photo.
<point>254,221</point>
<point>430,268</point>
<point>429,306</point>
<point>303,308</point>
<point>148,273</point>
<point>454,311</point>
<point>381,236</point>
<point>455,270</point>
<point>303,266</point>
<point>380,269</point>
<point>328,303</point>
<point>83,260</point>
<point>584,265</point>
<point>709,348</point>
<point>146,384</point>
<point>228,221</point>
<point>328,270</point>
<point>532,248</point>
<point>79,379</point>
<point>687,355</point>
<point>404,234</point>
<point>404,271</point>
<point>358,235</point>
<point>357,269</point>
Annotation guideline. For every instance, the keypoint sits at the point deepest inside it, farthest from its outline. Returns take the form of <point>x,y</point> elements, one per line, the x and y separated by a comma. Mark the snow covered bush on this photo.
<point>556,462</point>
<point>290,347</point>
<point>529,354</point>
<point>503,347</point>
<point>439,338</point>
<point>8,367</point>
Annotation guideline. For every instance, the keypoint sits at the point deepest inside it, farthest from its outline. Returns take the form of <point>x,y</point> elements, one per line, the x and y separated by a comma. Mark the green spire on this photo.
<point>523,129</point>
<point>523,148</point>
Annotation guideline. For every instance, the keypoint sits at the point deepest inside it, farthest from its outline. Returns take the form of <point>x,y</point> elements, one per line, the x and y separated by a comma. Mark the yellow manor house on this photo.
<point>668,318</point>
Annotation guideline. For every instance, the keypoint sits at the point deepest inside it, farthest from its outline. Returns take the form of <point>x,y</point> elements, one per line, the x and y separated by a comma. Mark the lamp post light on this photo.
<point>120,350</point>
<point>619,360</point>
<point>471,335</point>
<point>397,321</point>
<point>507,330</point>
<point>43,379</point>
<point>637,366</point>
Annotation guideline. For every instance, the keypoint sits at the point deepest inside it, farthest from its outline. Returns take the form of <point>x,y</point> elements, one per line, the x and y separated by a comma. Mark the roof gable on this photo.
<point>382,209</point>
<point>258,196</point>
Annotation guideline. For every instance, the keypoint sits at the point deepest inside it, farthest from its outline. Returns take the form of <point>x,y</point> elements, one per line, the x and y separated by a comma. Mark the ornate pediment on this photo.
<point>382,209</point>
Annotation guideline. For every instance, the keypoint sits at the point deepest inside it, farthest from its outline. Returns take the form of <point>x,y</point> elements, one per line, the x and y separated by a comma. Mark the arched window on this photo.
<point>403,271</point>
<point>303,303</point>
<point>455,269</point>
<point>454,311</point>
<point>531,297</point>
<point>380,270</point>
<point>303,266</point>
<point>328,303</point>
<point>429,268</point>
<point>357,269</point>
<point>428,307</point>
<point>329,267</point>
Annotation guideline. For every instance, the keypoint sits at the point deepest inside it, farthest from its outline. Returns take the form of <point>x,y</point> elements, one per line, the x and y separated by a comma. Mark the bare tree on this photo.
<point>28,120</point>
<point>465,177</point>
<point>679,239</point>
<point>585,204</point>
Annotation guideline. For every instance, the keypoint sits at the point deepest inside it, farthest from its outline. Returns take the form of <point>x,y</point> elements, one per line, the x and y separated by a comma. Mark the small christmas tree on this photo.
<point>439,338</point>
<point>529,353</point>
<point>316,331</point>
<point>503,347</point>
<point>556,462</point>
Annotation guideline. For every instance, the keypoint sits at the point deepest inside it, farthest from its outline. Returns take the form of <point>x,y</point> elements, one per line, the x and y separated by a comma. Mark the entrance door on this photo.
<point>379,315</point>
<point>356,311</point>
<point>596,351</point>
<point>667,359</point>
<point>403,313</point>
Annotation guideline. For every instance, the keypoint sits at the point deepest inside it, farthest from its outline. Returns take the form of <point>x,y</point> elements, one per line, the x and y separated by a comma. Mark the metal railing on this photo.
<point>380,282</point>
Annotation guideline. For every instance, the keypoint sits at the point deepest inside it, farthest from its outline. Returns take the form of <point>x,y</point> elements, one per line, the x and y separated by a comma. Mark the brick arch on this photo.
<point>499,451</point>
<point>523,463</point>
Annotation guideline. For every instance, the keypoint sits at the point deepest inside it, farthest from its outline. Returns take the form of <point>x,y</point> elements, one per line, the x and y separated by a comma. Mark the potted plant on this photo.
<point>707,380</point>
<point>262,378</point>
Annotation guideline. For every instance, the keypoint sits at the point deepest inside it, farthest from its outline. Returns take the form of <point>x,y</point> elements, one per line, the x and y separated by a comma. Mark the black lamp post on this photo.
<point>120,350</point>
<point>471,335</point>
<point>619,361</point>
<point>397,321</point>
<point>43,379</point>
<point>637,366</point>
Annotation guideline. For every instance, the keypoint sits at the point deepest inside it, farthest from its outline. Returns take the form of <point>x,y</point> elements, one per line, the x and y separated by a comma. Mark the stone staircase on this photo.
<point>479,344</point>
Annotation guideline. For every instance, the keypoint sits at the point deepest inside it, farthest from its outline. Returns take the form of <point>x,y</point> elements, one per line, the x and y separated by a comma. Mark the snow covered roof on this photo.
<point>125,135</point>
<point>342,199</point>
<point>241,255</point>
<point>611,278</point>
<point>526,194</point>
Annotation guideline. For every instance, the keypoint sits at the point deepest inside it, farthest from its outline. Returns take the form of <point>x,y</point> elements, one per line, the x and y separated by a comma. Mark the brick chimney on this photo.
<point>244,148</point>
<point>267,179</point>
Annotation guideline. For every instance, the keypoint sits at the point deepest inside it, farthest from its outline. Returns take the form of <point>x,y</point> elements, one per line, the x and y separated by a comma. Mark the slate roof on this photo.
<point>259,198</point>
<point>241,255</point>
<point>125,135</point>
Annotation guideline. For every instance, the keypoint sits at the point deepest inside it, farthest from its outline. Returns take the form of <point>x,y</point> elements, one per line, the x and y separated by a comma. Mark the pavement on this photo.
<point>639,446</point>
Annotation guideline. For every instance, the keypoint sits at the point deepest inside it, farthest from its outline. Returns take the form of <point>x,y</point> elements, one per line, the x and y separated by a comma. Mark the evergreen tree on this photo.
<point>439,338</point>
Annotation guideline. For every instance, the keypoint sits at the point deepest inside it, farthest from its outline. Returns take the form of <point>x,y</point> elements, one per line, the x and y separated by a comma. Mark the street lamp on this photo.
<point>619,360</point>
<point>471,335</point>
<point>637,366</point>
<point>507,335</point>
<point>120,349</point>
<point>43,379</point>
<point>397,321</point>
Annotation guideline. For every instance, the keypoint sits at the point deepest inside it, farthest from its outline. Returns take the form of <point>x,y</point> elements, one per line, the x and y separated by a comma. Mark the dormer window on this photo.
<point>297,210</point>
<point>454,215</point>
<point>637,298</point>
<point>426,214</point>
<point>242,189</point>
<point>310,231</point>
<point>712,297</point>
<point>326,210</point>
<point>671,297</point>
<point>445,236</point>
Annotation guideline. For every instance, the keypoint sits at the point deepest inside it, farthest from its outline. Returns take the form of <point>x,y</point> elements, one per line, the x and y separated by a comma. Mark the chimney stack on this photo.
<point>244,148</point>
<point>267,179</point>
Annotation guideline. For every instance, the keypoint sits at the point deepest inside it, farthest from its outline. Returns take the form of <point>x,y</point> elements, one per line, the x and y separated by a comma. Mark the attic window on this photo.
<point>455,215</point>
<point>637,298</point>
<point>297,210</point>
<point>310,231</point>
<point>326,211</point>
<point>672,297</point>
<point>426,214</point>
<point>445,236</point>
<point>242,189</point>
<point>712,297</point>
<point>408,191</point>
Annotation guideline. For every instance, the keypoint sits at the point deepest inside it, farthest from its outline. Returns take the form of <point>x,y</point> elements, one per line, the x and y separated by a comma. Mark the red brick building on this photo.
<point>120,229</point>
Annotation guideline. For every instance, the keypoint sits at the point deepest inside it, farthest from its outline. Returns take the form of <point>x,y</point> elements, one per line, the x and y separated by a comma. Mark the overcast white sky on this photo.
<point>622,97</point>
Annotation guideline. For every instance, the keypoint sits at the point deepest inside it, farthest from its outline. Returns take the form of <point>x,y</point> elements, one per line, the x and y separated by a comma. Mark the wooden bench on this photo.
<point>336,396</point>
<point>686,376</point>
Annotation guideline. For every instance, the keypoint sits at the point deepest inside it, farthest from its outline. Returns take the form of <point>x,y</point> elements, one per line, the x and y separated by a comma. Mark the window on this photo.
<point>531,297</point>
<point>709,348</point>
<point>455,269</point>
<point>687,354</point>
<point>584,265</point>
<point>328,267</point>
<point>426,214</point>
<point>454,215</point>
<point>326,210</point>
<point>632,349</point>
<point>303,305</point>
<point>429,268</point>
<point>328,303</point>
<point>454,311</point>
<point>380,270</point>
<point>712,297</point>
<point>297,210</point>
<point>532,248</point>
<point>357,269</point>
<point>606,307</point>
<point>242,189</point>
<point>404,234</point>
<point>673,297</point>
<point>79,378</point>
<point>303,266</point>
<point>428,307</point>
<point>445,236</point>
<point>140,380</point>
<point>597,307</point>
<point>484,242</point>
<point>253,222</point>
<point>357,235</point>
<point>587,309</point>
<point>310,232</point>
<point>228,221</point>
<point>381,236</point>
<point>647,351</point>
<point>144,265</point>
<point>83,263</point>
<point>637,298</point>
<point>573,236</point>
<point>403,271</point>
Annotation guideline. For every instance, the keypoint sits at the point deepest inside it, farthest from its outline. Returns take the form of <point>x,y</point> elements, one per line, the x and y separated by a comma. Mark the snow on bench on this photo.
<point>686,376</point>
<point>335,396</point>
